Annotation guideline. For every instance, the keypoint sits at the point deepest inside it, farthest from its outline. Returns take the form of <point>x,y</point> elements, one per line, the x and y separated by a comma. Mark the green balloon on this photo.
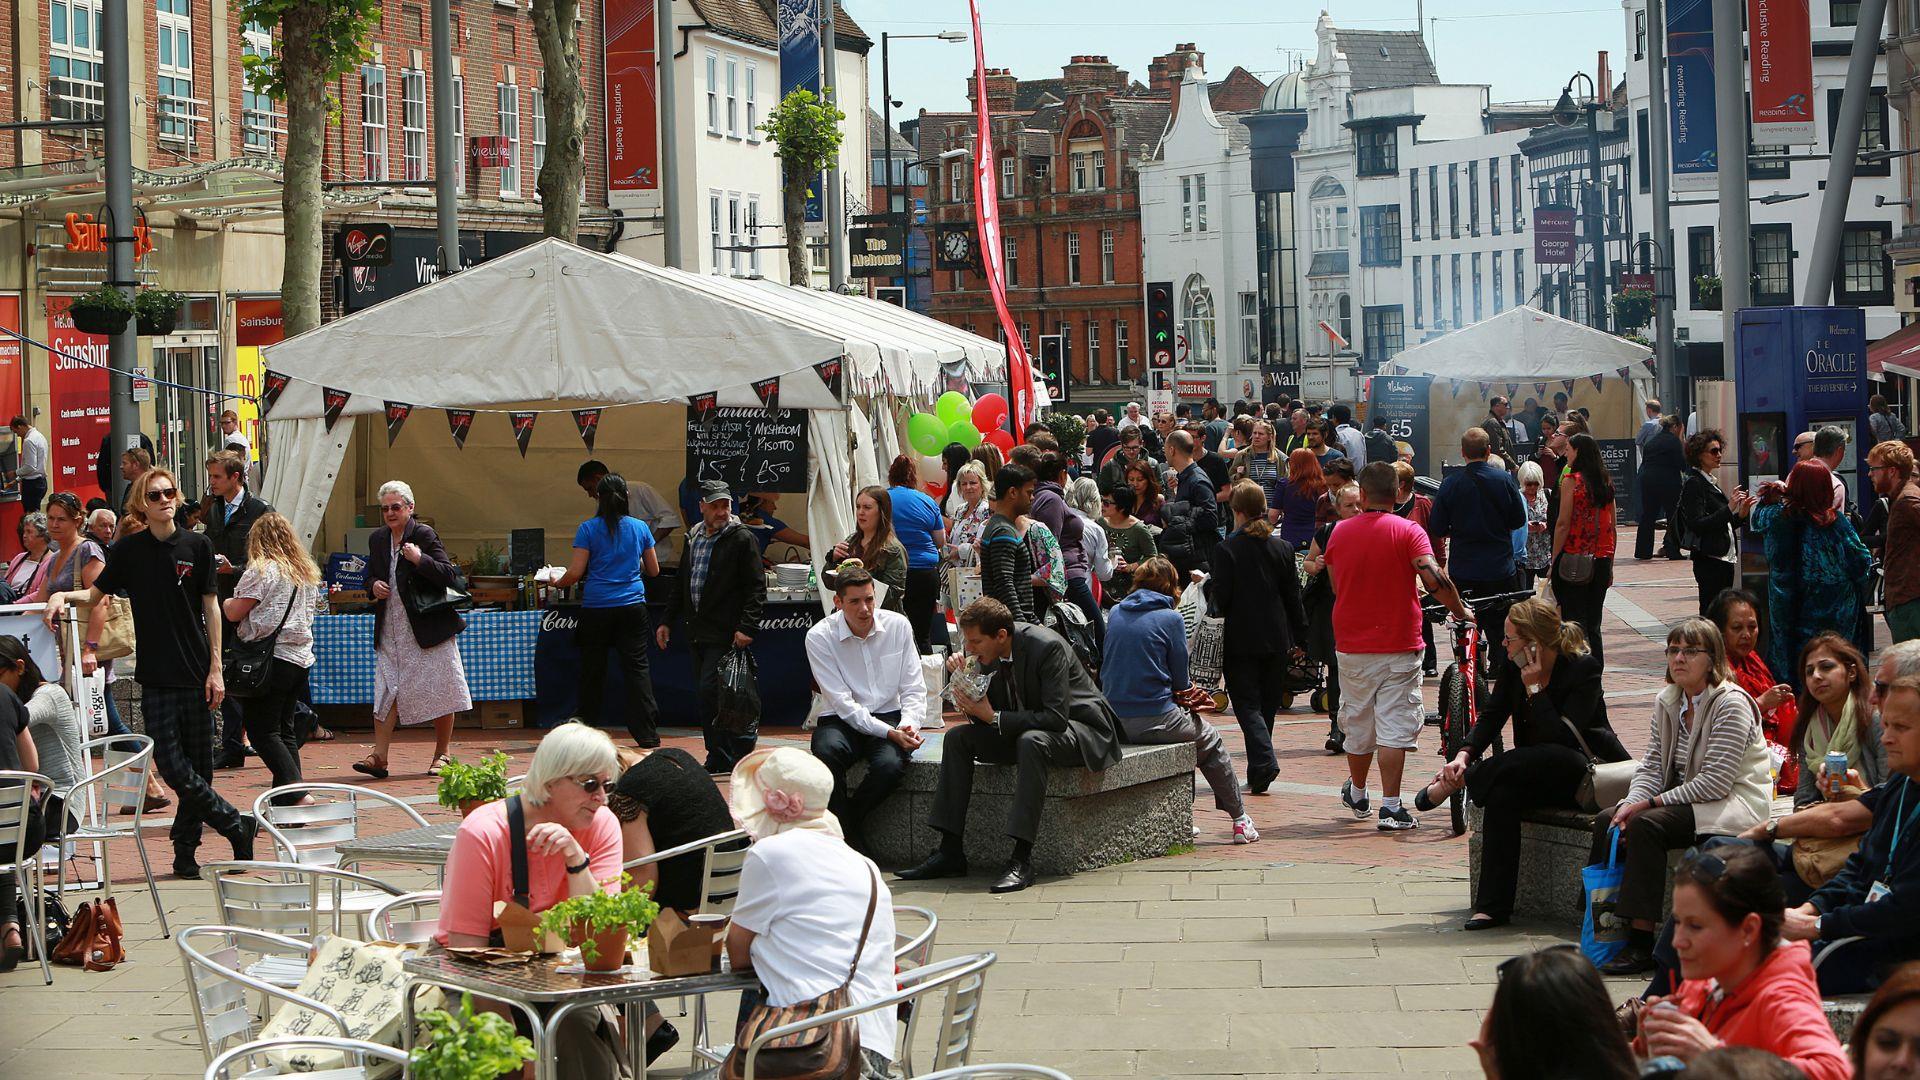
<point>964,433</point>
<point>953,407</point>
<point>926,432</point>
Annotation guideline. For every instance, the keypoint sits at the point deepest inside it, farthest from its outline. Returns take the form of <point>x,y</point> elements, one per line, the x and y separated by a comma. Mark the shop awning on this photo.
<point>1898,353</point>
<point>1523,344</point>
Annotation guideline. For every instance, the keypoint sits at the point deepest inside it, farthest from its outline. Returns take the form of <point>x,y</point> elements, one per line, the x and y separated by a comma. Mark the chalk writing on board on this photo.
<point>749,449</point>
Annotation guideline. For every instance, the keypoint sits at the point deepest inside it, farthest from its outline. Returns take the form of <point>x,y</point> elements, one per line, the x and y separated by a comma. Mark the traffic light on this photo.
<point>1160,334</point>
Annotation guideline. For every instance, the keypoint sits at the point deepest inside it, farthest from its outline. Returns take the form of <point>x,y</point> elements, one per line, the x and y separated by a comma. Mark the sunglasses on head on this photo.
<point>1703,865</point>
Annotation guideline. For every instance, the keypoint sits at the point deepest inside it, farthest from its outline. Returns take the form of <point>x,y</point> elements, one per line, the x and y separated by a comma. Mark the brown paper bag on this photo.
<point>519,929</point>
<point>677,947</point>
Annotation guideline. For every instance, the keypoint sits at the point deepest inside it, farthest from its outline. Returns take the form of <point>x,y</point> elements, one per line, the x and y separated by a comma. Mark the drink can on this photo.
<point>1836,765</point>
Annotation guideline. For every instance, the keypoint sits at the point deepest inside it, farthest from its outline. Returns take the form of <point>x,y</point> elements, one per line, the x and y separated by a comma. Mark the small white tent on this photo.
<point>1523,344</point>
<point>555,323</point>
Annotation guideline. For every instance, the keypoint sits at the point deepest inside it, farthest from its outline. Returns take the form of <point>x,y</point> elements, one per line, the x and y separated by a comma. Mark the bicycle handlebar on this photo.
<point>1437,612</point>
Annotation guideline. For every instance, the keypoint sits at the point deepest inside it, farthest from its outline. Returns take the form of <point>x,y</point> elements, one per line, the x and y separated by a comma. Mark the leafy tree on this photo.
<point>319,41</point>
<point>565,165</point>
<point>806,130</point>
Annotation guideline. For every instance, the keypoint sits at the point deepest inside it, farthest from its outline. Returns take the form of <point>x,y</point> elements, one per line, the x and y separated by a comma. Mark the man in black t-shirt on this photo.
<point>168,574</point>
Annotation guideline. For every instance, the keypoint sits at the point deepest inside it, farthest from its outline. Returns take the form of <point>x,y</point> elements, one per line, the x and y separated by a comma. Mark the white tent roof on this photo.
<point>1522,344</point>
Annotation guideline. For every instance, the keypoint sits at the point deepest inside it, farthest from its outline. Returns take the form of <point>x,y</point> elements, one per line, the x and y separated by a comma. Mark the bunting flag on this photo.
<point>833,373</point>
<point>1512,389</point>
<point>768,391</point>
<point>1623,372</point>
<point>459,422</point>
<point>1456,384</point>
<point>1653,367</point>
<point>1567,384</point>
<point>1596,377</point>
<point>397,413</point>
<point>1540,388</point>
<point>334,401</point>
<point>587,422</point>
<point>272,387</point>
<point>523,428</point>
<point>703,404</point>
<point>1486,389</point>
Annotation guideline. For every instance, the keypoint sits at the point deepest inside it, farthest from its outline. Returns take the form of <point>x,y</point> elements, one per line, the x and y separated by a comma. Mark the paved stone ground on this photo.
<point>1327,949</point>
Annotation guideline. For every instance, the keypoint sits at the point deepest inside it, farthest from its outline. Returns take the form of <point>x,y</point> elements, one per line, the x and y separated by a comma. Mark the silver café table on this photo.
<point>538,986</point>
<point>427,845</point>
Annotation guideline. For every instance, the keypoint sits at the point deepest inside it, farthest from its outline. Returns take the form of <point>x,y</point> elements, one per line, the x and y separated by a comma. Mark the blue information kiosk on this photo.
<point>1799,369</point>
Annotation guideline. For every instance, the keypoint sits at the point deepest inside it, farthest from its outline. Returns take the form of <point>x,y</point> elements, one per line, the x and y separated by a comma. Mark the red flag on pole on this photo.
<point>986,198</point>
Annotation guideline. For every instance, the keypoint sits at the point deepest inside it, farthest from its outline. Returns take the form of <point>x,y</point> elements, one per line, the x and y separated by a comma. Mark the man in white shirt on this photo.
<point>873,696</point>
<point>1830,446</point>
<point>642,501</point>
<point>32,472</point>
<point>1132,417</point>
<point>231,437</point>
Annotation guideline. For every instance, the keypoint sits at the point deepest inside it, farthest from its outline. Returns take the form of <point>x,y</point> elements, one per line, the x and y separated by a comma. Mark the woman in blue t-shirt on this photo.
<point>610,550</point>
<point>922,530</point>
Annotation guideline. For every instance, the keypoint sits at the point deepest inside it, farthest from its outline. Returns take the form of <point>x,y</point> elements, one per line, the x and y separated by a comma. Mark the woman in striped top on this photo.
<point>1261,463</point>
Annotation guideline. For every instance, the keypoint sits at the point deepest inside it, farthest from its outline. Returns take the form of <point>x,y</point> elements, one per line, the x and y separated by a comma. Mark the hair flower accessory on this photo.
<point>784,806</point>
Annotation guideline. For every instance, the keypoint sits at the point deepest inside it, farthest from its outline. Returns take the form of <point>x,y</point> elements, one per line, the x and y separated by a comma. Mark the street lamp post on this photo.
<point>1566,113</point>
<point>886,112</point>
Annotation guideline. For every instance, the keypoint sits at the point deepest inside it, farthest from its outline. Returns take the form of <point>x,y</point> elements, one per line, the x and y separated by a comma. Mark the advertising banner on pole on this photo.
<point>1692,120</point>
<point>1780,59</point>
<point>800,70</point>
<point>77,400</point>
<point>633,128</point>
<point>1554,236</point>
<point>256,324</point>
<point>986,196</point>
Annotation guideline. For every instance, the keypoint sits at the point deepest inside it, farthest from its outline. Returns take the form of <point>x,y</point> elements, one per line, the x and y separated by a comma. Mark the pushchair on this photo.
<point>1304,675</point>
<point>1206,644</point>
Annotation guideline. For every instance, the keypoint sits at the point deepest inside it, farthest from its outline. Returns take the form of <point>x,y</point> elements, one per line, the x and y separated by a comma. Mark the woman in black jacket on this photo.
<point>1707,519</point>
<point>1255,589</point>
<point>1548,684</point>
<point>417,674</point>
<point>1660,465</point>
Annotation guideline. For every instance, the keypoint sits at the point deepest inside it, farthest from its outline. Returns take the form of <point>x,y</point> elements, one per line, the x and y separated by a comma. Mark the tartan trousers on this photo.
<point>182,728</point>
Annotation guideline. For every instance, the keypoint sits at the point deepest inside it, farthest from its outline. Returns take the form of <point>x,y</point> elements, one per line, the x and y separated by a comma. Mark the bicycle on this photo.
<point>1463,685</point>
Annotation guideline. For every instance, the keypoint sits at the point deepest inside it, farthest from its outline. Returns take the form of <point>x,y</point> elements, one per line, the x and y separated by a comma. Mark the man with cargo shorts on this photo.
<point>1378,560</point>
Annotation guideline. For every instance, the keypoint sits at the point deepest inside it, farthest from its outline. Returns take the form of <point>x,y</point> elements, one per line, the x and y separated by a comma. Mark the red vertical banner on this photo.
<point>10,353</point>
<point>987,198</point>
<point>633,126</point>
<point>77,392</point>
<point>1780,60</point>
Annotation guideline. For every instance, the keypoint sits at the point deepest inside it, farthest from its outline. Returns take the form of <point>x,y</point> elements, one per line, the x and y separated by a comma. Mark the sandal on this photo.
<point>373,765</point>
<point>438,760</point>
<point>322,733</point>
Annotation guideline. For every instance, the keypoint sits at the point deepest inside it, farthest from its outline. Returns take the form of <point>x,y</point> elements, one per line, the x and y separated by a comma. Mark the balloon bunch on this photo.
<point>954,419</point>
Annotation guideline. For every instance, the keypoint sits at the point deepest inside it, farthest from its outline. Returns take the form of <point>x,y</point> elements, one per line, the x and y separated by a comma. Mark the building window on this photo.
<point>1380,236</point>
<point>1640,35</point>
<point>1012,248</point>
<point>1459,307</point>
<point>957,282</point>
<point>1843,12</point>
<point>1419,311</point>
<point>1106,256</point>
<point>1199,325</point>
<point>1873,132</point>
<point>537,108</point>
<point>1007,176</point>
<point>510,127</point>
<point>1121,360</point>
<point>1249,328</point>
<point>1073,258</point>
<point>753,103</point>
<point>258,123</point>
<point>753,235</point>
<point>1439,313</point>
<point>733,234</point>
<point>1519,279</point>
<point>373,122</point>
<point>1026,339</point>
<point>1377,150</point>
<point>1383,333</point>
<point>1700,264</point>
<point>1100,169</point>
<point>713,94</point>
<point>733,97</point>
<point>1453,200</point>
<point>1479,312</point>
<point>1866,274</point>
<point>1493,193</point>
<point>1340,228</point>
<point>460,133</point>
<point>1499,301</point>
<point>713,227</point>
<point>957,183</point>
<point>1079,172</point>
<point>1519,214</point>
<point>1772,265</point>
<point>1413,205</point>
<point>1200,203</point>
<point>1186,204</point>
<point>1343,308</point>
<point>413,125</point>
<point>1473,198</point>
<point>73,33</point>
<point>174,47</point>
<point>1093,350</point>
<point>1644,132</point>
<point>1433,208</point>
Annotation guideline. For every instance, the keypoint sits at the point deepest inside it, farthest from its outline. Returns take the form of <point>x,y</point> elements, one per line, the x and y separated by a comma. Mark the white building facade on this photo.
<point>1465,205</point>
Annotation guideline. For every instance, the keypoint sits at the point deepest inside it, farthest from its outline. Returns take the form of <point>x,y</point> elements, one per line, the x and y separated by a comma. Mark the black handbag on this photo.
<point>249,664</point>
<point>423,597</point>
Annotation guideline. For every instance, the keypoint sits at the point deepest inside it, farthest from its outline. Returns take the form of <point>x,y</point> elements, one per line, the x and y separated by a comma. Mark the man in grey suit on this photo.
<point>1041,708</point>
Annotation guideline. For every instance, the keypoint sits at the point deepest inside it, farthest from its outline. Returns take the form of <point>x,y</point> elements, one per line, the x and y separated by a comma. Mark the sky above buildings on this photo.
<point>1524,54</point>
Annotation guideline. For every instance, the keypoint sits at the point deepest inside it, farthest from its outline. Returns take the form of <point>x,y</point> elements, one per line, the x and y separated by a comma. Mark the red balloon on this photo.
<point>1001,438</point>
<point>990,412</point>
<point>938,491</point>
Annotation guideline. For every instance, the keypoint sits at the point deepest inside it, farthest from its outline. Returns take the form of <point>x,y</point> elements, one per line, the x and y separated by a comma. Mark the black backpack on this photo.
<point>1381,447</point>
<point>1066,619</point>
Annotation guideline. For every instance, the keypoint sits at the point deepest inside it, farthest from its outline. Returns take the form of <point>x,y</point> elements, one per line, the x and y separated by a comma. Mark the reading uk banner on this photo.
<point>987,198</point>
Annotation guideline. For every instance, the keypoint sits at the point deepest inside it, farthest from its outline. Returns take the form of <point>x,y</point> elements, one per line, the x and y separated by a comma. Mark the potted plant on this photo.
<point>487,577</point>
<point>468,1045</point>
<point>102,311</point>
<point>157,311</point>
<point>1706,292</point>
<point>601,923</point>
<point>465,787</point>
<point>1632,309</point>
<point>1070,431</point>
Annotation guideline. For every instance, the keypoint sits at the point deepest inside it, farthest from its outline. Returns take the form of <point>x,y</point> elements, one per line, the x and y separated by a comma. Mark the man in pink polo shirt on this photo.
<point>1378,561</point>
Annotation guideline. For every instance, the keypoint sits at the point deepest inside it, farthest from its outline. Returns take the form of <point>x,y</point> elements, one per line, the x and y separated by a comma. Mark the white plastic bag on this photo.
<point>933,674</point>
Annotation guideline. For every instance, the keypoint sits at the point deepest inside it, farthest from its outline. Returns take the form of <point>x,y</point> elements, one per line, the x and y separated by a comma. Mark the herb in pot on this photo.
<point>463,786</point>
<point>468,1045</point>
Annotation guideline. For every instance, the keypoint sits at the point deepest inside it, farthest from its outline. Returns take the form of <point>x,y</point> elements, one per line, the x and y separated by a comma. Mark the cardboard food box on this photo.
<point>678,946</point>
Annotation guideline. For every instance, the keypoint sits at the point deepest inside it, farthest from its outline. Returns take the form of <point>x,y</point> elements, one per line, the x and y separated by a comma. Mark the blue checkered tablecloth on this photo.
<point>496,649</point>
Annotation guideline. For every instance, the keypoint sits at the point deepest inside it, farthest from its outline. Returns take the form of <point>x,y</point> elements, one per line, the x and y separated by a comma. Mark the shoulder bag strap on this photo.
<point>1581,739</point>
<point>517,845</point>
<point>873,900</point>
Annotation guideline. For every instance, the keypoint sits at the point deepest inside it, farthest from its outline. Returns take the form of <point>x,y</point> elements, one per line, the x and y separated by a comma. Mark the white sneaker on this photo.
<point>1243,830</point>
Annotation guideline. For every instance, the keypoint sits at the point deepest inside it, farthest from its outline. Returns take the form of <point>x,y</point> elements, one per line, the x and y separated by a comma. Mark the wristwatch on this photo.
<point>1773,828</point>
<point>93,645</point>
<point>571,870</point>
<point>994,720</point>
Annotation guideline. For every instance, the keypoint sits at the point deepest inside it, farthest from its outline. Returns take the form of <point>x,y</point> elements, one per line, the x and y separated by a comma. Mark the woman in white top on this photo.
<point>805,897</point>
<point>277,591</point>
<point>51,720</point>
<point>25,569</point>
<point>1083,498</point>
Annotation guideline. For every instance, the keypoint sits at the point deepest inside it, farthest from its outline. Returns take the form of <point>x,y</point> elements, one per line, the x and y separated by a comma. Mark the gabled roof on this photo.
<point>1240,91</point>
<point>1033,93</point>
<point>875,126</point>
<point>754,21</point>
<point>1381,58</point>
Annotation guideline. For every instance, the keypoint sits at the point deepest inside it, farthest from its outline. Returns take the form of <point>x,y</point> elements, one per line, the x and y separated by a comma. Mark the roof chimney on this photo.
<point>1163,74</point>
<point>1092,73</point>
<point>1603,83</point>
<point>1001,88</point>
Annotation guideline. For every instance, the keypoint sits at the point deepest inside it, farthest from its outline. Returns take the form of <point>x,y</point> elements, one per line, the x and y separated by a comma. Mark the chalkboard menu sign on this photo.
<point>526,551</point>
<point>749,449</point>
<point>1618,456</point>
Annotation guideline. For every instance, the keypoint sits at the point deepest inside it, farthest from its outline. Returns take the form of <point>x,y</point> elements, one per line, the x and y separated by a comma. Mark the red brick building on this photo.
<point>1069,208</point>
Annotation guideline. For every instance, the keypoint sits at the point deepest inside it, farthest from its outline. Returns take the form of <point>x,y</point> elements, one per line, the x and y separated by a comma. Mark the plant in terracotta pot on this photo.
<point>487,577</point>
<point>468,1045</point>
<point>102,311</point>
<point>157,311</point>
<point>601,923</point>
<point>466,787</point>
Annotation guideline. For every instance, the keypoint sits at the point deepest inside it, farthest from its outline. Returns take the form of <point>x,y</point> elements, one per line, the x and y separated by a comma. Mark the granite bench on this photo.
<point>1137,809</point>
<point>1554,846</point>
<point>1843,1012</point>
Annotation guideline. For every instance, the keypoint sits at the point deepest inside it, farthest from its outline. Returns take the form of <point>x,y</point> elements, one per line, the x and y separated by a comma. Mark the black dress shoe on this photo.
<point>1486,922</point>
<point>1634,960</point>
<point>662,1040</point>
<point>1019,875</point>
<point>1336,744</point>
<point>937,865</point>
<point>1257,785</point>
<point>11,955</point>
<point>243,840</point>
<point>231,761</point>
<point>186,869</point>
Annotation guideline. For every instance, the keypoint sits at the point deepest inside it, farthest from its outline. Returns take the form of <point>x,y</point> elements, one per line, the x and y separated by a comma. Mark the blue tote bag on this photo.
<point>1602,933</point>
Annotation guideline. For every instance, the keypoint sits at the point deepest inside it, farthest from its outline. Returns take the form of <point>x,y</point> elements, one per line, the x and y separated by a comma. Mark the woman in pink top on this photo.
<point>1585,528</point>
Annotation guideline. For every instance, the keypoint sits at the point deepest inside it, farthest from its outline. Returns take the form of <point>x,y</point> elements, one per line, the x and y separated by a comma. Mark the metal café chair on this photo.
<point>215,958</point>
<point>996,1072</point>
<point>722,854</point>
<point>20,794</point>
<point>301,902</point>
<point>109,805</point>
<point>407,919</point>
<point>239,1063</point>
<point>335,816</point>
<point>913,950</point>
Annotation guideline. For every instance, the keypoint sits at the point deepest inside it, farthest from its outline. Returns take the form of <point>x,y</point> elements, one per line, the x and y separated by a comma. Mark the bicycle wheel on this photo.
<point>1455,723</point>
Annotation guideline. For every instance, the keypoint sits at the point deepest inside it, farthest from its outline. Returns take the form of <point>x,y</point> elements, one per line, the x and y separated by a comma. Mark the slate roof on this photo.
<point>754,21</point>
<point>1380,58</point>
<point>1033,93</point>
<point>875,125</point>
<point>1139,123</point>
<point>1327,264</point>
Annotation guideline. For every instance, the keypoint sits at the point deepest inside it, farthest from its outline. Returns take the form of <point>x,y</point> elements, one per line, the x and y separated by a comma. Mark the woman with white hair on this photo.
<point>417,674</point>
<point>1083,499</point>
<point>810,907</point>
<point>28,569</point>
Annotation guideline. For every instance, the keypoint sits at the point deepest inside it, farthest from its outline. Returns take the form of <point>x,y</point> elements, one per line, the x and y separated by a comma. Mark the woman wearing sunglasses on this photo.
<point>1744,986</point>
<point>1706,517</point>
<point>1706,772</point>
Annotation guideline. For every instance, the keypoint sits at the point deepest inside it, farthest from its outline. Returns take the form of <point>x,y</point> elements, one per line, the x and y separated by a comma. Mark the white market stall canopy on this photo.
<point>1523,344</point>
<point>556,322</point>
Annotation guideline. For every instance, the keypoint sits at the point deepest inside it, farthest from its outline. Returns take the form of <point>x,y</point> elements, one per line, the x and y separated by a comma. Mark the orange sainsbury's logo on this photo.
<point>85,234</point>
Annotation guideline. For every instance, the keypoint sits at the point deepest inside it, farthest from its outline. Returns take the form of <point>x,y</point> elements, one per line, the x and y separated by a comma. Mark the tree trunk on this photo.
<point>794,209</point>
<point>302,30</point>
<point>561,174</point>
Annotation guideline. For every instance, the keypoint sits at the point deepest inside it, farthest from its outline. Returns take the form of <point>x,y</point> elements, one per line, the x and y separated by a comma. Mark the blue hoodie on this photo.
<point>1145,660</point>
